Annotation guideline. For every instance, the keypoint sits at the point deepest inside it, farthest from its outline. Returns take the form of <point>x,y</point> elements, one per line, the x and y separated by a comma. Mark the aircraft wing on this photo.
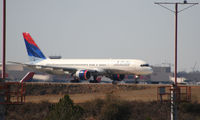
<point>48,69</point>
<point>58,70</point>
<point>52,69</point>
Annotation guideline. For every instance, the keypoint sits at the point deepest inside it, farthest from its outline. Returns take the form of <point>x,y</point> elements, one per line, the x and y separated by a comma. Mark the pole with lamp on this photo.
<point>175,88</point>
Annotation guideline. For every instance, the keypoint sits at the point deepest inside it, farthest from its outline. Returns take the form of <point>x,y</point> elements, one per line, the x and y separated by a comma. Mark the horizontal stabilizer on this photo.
<point>28,76</point>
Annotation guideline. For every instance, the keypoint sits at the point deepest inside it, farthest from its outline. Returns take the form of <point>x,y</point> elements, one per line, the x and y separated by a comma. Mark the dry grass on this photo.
<point>196,93</point>
<point>149,93</point>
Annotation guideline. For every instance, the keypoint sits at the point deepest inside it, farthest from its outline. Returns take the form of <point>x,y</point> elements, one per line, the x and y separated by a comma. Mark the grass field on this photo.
<point>100,102</point>
<point>81,93</point>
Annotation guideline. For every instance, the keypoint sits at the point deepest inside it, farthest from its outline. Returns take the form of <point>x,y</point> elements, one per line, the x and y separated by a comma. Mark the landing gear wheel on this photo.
<point>114,82</point>
<point>136,81</point>
<point>93,81</point>
<point>74,81</point>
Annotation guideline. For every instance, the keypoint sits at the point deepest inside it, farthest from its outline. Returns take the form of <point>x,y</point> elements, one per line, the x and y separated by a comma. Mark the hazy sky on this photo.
<point>103,29</point>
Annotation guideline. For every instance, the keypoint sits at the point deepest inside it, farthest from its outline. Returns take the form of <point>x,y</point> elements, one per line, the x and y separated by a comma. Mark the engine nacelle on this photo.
<point>83,74</point>
<point>118,77</point>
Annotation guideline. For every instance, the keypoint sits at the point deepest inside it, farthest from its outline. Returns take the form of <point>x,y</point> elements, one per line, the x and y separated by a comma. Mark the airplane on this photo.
<point>84,69</point>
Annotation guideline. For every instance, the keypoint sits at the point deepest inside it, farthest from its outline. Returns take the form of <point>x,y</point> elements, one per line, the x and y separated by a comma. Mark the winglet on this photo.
<point>33,50</point>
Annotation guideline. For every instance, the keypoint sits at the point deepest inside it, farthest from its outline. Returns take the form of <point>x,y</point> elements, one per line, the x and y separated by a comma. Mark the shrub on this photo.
<point>193,108</point>
<point>112,108</point>
<point>65,110</point>
<point>115,111</point>
<point>93,108</point>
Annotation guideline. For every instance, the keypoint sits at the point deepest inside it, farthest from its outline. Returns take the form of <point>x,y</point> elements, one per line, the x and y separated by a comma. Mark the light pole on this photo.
<point>2,106</point>
<point>175,87</point>
<point>4,41</point>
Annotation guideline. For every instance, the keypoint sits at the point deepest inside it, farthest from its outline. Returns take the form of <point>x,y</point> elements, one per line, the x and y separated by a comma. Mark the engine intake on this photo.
<point>83,74</point>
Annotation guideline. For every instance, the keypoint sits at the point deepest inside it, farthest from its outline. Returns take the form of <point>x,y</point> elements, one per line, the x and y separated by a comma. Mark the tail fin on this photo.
<point>33,50</point>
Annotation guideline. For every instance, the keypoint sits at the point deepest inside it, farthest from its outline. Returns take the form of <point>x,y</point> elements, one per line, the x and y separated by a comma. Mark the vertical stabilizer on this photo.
<point>33,50</point>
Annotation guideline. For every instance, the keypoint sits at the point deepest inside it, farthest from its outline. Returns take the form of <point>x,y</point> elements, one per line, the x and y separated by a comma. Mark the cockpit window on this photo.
<point>144,65</point>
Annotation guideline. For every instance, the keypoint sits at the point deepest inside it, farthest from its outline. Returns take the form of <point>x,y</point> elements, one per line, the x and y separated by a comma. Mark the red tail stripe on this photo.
<point>29,39</point>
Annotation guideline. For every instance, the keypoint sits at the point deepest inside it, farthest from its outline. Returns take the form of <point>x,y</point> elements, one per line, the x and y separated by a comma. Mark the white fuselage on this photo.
<point>83,69</point>
<point>114,66</point>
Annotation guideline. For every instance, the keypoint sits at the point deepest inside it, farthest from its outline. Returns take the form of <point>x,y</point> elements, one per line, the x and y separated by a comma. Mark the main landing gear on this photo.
<point>75,80</point>
<point>136,79</point>
<point>114,82</point>
<point>94,79</point>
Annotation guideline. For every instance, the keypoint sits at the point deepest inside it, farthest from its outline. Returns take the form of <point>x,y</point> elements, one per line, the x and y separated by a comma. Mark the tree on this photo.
<point>65,110</point>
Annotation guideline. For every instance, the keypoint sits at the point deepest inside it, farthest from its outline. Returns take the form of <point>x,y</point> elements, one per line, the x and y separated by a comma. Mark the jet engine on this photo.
<point>117,77</point>
<point>83,74</point>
